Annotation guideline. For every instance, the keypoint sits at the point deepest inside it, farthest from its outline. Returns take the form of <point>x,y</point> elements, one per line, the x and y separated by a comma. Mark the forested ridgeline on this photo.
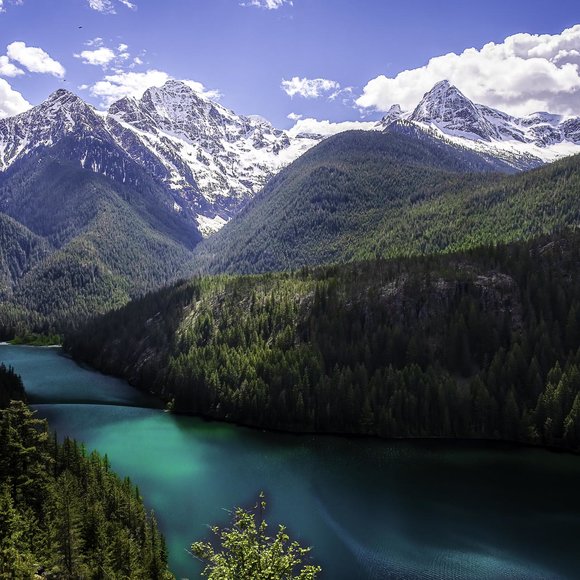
<point>75,243</point>
<point>360,196</point>
<point>482,344</point>
<point>63,513</point>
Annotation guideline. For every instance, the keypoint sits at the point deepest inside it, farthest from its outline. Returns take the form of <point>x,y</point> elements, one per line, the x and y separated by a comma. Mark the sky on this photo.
<point>318,65</point>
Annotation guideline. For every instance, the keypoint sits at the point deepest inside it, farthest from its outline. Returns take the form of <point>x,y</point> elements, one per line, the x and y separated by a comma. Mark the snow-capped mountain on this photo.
<point>522,142</point>
<point>210,159</point>
<point>61,115</point>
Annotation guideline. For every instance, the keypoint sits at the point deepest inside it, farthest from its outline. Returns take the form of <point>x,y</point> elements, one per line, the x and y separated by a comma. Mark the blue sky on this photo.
<point>341,60</point>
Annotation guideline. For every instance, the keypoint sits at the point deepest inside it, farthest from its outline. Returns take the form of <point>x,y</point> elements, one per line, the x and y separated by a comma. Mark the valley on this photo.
<point>341,343</point>
<point>368,507</point>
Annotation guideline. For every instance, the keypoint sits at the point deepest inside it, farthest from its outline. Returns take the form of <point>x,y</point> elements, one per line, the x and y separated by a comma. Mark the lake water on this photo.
<point>370,509</point>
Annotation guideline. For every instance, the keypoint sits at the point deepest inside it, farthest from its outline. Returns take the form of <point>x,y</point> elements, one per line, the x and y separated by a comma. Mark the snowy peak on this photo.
<point>393,114</point>
<point>63,99</point>
<point>210,160</point>
<point>448,108</point>
<point>61,115</point>
<point>445,112</point>
<point>177,108</point>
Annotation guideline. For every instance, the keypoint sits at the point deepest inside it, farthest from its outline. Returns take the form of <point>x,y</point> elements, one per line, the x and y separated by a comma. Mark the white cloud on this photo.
<point>108,6</point>
<point>3,4</point>
<point>117,86</point>
<point>266,4</point>
<point>523,74</point>
<point>104,6</point>
<point>294,116</point>
<point>103,56</point>
<point>134,84</point>
<point>11,101</point>
<point>200,88</point>
<point>34,59</point>
<point>97,41</point>
<point>98,57</point>
<point>309,88</point>
<point>327,128</point>
<point>7,69</point>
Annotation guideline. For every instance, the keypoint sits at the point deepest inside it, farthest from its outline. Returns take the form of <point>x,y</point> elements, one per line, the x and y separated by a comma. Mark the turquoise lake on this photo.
<point>369,508</point>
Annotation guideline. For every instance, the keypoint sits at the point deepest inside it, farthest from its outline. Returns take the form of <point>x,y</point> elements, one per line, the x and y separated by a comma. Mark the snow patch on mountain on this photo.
<point>206,149</point>
<point>208,225</point>
<point>210,159</point>
<point>446,113</point>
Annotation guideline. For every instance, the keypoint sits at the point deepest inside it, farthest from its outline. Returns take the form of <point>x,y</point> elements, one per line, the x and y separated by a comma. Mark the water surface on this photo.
<point>370,509</point>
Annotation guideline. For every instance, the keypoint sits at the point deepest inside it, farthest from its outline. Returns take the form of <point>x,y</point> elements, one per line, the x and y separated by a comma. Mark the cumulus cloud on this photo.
<point>34,59</point>
<point>123,84</point>
<point>98,57</point>
<point>104,56</point>
<point>309,88</point>
<point>266,4</point>
<point>11,101</point>
<point>327,128</point>
<point>523,74</point>
<point>7,69</point>
<point>294,116</point>
<point>108,6</point>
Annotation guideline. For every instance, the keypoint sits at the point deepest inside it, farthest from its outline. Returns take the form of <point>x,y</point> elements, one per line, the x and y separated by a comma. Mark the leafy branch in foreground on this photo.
<point>247,552</point>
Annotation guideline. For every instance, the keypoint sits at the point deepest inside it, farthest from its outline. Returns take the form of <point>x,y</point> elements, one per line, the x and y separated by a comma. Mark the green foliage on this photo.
<point>64,513</point>
<point>35,339</point>
<point>461,345</point>
<point>360,196</point>
<point>79,243</point>
<point>11,387</point>
<point>245,551</point>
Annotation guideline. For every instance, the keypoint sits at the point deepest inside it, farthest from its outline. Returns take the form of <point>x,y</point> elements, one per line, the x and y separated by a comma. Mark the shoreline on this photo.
<point>32,345</point>
<point>300,433</point>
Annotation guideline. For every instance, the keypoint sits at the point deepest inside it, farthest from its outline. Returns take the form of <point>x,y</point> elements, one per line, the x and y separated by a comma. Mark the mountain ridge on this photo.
<point>523,142</point>
<point>362,195</point>
<point>210,160</point>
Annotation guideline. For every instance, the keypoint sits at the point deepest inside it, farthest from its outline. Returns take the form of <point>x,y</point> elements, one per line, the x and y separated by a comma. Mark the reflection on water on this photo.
<point>370,509</point>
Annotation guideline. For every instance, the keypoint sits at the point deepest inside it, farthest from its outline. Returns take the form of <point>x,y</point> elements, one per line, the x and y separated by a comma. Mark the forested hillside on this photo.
<point>82,243</point>
<point>482,344</point>
<point>363,195</point>
<point>64,513</point>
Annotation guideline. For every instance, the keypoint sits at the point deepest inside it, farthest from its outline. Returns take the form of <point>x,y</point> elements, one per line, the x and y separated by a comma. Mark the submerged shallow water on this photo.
<point>370,509</point>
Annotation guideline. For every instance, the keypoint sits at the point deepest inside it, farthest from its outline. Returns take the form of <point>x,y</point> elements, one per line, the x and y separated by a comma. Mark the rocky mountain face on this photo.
<point>209,159</point>
<point>522,142</point>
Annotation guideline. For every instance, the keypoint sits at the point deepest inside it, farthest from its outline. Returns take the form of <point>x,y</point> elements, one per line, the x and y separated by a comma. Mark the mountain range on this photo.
<point>522,142</point>
<point>208,159</point>
<point>97,208</point>
<point>211,161</point>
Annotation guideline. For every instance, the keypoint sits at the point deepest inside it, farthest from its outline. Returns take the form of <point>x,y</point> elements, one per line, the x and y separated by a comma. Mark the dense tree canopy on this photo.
<point>361,195</point>
<point>482,344</point>
<point>75,242</point>
<point>63,512</point>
